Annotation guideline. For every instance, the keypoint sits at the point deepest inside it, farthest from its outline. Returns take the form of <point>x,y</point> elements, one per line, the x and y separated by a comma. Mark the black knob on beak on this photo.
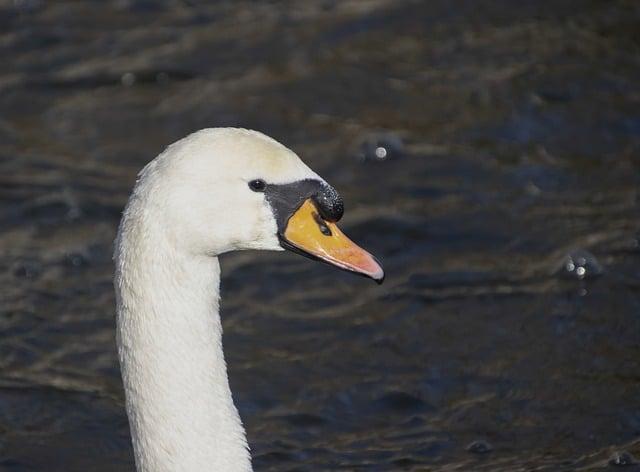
<point>329,203</point>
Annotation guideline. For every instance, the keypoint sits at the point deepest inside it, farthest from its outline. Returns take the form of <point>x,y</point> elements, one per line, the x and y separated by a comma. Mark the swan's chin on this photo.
<point>309,234</point>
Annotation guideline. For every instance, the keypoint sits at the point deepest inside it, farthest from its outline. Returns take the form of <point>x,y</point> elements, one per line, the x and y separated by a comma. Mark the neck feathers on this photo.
<point>169,335</point>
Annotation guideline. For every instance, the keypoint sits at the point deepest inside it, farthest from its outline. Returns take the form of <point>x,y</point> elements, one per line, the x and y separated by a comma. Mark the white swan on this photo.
<point>215,191</point>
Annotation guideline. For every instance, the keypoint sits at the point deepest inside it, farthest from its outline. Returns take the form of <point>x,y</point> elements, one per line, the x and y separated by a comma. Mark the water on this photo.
<point>511,137</point>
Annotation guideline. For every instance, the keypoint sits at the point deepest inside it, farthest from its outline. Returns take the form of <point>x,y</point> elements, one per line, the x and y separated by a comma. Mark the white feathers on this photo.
<point>189,205</point>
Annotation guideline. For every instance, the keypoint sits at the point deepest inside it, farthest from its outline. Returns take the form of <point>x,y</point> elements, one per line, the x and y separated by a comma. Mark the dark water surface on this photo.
<point>507,334</point>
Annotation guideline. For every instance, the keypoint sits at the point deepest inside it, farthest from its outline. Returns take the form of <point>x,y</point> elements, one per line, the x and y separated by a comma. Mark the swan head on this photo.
<point>227,189</point>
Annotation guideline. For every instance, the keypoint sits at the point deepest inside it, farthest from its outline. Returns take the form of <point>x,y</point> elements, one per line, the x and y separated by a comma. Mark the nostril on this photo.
<point>324,229</point>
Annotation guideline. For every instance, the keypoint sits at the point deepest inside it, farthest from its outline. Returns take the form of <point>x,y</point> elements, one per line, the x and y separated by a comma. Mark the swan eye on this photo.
<point>257,185</point>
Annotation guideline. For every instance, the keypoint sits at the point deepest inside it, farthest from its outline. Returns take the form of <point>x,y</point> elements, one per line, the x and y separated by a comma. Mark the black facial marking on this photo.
<point>330,204</point>
<point>285,199</point>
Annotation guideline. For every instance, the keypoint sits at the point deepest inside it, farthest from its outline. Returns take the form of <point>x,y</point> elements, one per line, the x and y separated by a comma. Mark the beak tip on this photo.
<point>378,275</point>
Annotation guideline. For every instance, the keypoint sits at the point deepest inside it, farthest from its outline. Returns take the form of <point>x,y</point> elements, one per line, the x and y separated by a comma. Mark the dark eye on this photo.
<point>257,185</point>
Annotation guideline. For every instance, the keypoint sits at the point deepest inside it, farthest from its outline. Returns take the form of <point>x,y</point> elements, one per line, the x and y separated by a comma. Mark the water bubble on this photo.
<point>381,152</point>
<point>580,264</point>
<point>622,458</point>
<point>76,259</point>
<point>479,447</point>
<point>381,147</point>
<point>128,79</point>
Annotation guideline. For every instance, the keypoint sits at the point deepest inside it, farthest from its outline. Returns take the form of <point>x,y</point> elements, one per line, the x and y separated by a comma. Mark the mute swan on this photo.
<point>215,191</point>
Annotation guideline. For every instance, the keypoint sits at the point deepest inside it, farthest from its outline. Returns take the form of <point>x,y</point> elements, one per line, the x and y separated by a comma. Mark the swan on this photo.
<point>215,191</point>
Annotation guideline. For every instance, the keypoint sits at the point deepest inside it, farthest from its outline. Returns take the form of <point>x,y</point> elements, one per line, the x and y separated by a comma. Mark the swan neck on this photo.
<point>169,334</point>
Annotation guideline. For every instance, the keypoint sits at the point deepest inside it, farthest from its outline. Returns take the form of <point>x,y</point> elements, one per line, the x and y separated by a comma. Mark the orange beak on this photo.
<point>308,233</point>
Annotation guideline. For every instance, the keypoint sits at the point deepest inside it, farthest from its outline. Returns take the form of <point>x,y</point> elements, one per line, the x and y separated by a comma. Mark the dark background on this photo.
<point>507,334</point>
